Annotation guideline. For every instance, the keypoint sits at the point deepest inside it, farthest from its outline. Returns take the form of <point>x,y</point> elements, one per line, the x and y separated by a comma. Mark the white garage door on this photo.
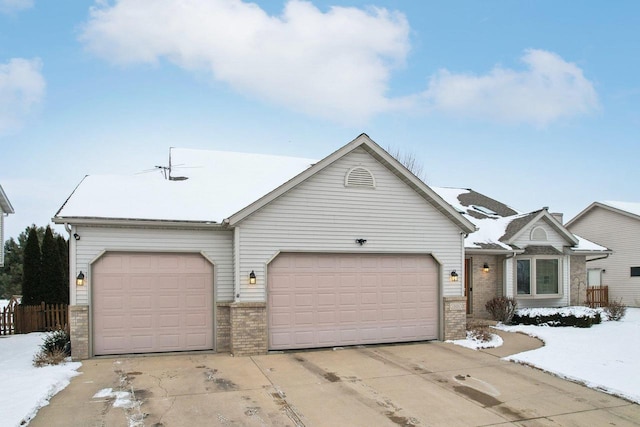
<point>147,303</point>
<point>326,300</point>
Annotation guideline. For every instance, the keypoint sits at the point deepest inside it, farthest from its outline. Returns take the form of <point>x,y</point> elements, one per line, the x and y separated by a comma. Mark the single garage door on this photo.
<point>326,300</point>
<point>152,302</point>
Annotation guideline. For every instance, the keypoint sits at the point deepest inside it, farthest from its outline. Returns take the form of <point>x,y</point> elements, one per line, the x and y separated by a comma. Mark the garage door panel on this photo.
<point>364,299</point>
<point>152,303</point>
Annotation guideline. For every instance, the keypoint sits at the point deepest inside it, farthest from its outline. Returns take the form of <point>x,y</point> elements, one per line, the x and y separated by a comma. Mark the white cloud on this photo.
<point>336,64</point>
<point>22,89</point>
<point>551,88</point>
<point>11,6</point>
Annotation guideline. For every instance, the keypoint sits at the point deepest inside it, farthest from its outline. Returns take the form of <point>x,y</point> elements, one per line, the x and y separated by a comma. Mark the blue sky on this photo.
<point>532,103</point>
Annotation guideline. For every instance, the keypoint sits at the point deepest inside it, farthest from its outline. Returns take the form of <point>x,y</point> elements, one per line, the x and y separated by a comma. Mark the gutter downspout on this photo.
<point>72,265</point>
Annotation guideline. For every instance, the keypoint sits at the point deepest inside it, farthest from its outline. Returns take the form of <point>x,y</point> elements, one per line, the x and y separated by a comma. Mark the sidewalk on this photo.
<point>513,343</point>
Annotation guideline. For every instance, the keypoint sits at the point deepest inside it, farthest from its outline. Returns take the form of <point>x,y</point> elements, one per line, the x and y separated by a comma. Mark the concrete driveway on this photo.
<point>427,384</point>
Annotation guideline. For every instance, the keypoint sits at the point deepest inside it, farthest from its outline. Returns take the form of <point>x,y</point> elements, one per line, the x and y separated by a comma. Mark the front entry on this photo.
<point>468,289</point>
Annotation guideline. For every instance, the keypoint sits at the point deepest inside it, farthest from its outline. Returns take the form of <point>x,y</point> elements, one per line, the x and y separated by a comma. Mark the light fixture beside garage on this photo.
<point>361,241</point>
<point>485,267</point>
<point>454,276</point>
<point>252,278</point>
<point>80,279</point>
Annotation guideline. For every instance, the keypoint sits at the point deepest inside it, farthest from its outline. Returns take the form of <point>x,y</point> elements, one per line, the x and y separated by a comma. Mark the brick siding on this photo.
<point>485,285</point>
<point>223,326</point>
<point>455,318</point>
<point>79,331</point>
<point>578,277</point>
<point>248,328</point>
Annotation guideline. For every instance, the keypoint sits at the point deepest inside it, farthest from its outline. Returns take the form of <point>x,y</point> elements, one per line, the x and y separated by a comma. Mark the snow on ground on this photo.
<point>474,344</point>
<point>3,303</point>
<point>605,356</point>
<point>27,388</point>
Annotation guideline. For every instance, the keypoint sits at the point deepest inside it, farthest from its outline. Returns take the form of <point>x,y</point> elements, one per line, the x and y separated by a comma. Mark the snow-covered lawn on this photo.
<point>25,387</point>
<point>605,356</point>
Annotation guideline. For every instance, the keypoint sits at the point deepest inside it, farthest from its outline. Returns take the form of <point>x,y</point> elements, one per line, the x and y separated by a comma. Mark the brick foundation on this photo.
<point>455,318</point>
<point>223,326</point>
<point>79,331</point>
<point>248,328</point>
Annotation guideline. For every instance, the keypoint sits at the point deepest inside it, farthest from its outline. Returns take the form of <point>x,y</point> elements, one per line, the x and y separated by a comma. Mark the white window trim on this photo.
<point>538,229</point>
<point>533,285</point>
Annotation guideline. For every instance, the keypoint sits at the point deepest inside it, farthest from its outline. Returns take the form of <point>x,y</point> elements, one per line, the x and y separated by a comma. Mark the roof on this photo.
<point>499,225</point>
<point>5,204</point>
<point>629,209</point>
<point>214,187</point>
<point>218,185</point>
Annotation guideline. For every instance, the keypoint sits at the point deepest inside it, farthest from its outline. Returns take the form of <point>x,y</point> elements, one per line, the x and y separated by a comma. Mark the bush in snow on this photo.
<point>502,309</point>
<point>579,317</point>
<point>478,332</point>
<point>615,310</point>
<point>55,348</point>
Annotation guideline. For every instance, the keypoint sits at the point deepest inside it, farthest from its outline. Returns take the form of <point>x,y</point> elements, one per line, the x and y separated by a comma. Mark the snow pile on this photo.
<point>605,356</point>
<point>475,344</point>
<point>28,388</point>
<point>122,399</point>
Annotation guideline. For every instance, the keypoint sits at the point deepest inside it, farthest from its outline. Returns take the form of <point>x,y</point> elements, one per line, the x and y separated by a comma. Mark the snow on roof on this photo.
<point>630,207</point>
<point>218,185</point>
<point>491,225</point>
<point>587,245</point>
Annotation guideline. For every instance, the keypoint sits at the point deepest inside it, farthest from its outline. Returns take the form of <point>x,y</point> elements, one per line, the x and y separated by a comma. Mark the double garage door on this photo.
<point>326,300</point>
<point>150,302</point>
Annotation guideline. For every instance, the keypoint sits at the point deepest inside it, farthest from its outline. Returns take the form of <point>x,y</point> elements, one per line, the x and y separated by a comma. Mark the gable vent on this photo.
<point>359,177</point>
<point>538,233</point>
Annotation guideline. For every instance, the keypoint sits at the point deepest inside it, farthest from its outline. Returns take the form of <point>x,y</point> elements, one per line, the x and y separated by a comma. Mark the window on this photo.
<point>538,276</point>
<point>635,271</point>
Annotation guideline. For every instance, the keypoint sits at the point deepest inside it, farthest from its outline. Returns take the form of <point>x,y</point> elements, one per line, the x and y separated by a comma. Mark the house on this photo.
<point>5,210</point>
<point>529,256</point>
<point>616,225</point>
<point>248,253</point>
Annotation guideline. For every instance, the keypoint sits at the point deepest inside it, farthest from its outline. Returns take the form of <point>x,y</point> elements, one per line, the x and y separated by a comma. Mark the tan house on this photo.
<point>248,253</point>
<point>616,225</point>
<point>5,209</point>
<point>529,256</point>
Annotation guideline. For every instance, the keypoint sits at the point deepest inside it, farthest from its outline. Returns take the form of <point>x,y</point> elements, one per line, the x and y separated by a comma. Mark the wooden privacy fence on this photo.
<point>24,319</point>
<point>597,296</point>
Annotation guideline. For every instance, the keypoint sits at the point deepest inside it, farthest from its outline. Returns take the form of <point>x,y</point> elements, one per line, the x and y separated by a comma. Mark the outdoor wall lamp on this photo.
<point>454,276</point>
<point>76,236</point>
<point>485,268</point>
<point>80,279</point>
<point>252,278</point>
<point>361,241</point>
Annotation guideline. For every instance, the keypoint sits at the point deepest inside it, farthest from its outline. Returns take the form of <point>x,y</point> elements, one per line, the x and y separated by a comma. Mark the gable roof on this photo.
<point>5,204</point>
<point>201,186</point>
<point>629,209</point>
<point>382,156</point>
<point>210,187</point>
<point>499,225</point>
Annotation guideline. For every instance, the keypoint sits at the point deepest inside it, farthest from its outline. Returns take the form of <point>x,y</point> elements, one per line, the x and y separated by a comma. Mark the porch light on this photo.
<point>80,279</point>
<point>454,276</point>
<point>252,278</point>
<point>485,268</point>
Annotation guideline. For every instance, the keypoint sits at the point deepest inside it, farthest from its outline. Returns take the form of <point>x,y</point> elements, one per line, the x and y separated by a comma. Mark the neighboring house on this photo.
<point>529,256</point>
<point>616,225</point>
<point>5,209</point>
<point>247,253</point>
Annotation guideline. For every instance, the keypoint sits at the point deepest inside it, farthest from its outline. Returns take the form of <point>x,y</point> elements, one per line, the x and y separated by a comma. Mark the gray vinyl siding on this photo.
<point>553,238</point>
<point>322,215</point>
<point>558,242</point>
<point>621,234</point>
<point>216,245</point>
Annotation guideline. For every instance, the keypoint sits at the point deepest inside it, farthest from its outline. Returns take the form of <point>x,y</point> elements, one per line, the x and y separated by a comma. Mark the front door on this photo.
<point>468,289</point>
